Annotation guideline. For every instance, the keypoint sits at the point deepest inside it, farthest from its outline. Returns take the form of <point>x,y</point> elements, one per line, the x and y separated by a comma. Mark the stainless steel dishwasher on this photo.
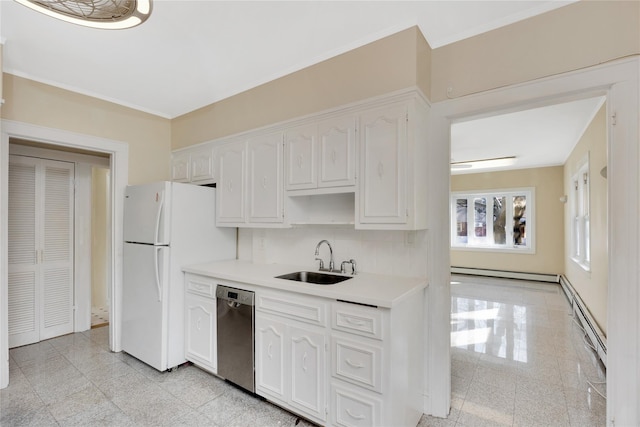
<point>235,308</point>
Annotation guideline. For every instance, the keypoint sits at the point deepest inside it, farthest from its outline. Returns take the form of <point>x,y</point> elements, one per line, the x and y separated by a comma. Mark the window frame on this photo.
<point>580,205</point>
<point>489,194</point>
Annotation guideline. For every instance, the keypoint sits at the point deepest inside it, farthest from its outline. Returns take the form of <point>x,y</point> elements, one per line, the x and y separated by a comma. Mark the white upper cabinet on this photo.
<point>301,157</point>
<point>383,165</point>
<point>265,179</point>
<point>230,194</point>
<point>181,167</point>
<point>194,165</point>
<point>203,165</point>
<point>298,172</point>
<point>392,186</point>
<point>250,187</point>
<point>321,156</point>
<point>337,145</point>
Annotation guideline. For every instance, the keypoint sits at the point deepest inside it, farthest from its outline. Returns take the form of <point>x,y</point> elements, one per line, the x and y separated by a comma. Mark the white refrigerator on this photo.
<point>166,225</point>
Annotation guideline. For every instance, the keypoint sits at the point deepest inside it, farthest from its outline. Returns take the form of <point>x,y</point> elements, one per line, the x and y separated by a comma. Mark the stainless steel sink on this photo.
<point>314,277</point>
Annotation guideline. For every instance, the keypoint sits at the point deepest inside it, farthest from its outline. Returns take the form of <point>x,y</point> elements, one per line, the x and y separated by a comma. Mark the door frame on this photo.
<point>619,81</point>
<point>119,168</point>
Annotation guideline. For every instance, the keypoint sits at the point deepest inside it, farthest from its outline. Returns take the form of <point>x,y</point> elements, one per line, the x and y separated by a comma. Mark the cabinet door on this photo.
<point>382,191</point>
<point>180,167</point>
<point>202,165</point>
<point>200,337</point>
<point>265,179</point>
<point>337,152</point>
<point>269,357</point>
<point>300,154</point>
<point>308,371</point>
<point>230,201</point>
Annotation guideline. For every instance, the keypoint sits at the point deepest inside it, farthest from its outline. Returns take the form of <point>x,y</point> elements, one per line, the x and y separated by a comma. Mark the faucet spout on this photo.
<point>331,264</point>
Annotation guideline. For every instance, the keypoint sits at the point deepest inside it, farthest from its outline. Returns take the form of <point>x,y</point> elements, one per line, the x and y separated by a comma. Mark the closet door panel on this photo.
<point>22,254</point>
<point>57,250</point>
<point>40,256</point>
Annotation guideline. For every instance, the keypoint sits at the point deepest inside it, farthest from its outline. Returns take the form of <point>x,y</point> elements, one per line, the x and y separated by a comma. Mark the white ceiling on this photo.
<point>192,53</point>
<point>538,137</point>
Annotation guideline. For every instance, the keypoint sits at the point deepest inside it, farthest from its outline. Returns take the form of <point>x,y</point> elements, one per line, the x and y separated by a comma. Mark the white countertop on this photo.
<point>364,288</point>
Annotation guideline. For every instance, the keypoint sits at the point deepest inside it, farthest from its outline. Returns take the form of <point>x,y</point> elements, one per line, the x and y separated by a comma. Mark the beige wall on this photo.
<point>592,286</point>
<point>572,37</point>
<point>148,136</point>
<point>386,65</point>
<point>549,230</point>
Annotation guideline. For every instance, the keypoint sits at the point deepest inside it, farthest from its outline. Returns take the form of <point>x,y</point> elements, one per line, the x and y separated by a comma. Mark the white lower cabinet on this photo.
<point>269,357</point>
<point>291,364</point>
<point>200,322</point>
<point>350,407</point>
<point>308,370</point>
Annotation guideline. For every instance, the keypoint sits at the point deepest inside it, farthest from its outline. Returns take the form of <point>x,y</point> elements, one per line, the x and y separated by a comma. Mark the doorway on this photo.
<point>618,81</point>
<point>69,141</point>
<point>100,232</point>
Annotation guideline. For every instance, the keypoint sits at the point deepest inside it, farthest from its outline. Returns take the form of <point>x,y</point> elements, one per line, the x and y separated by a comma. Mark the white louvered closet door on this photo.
<point>40,249</point>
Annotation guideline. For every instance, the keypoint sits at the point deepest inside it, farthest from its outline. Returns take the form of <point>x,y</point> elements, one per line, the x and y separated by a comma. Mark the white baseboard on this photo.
<point>587,321</point>
<point>538,277</point>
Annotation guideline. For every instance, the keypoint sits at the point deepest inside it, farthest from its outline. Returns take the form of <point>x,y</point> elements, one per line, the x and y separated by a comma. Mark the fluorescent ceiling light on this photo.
<point>484,163</point>
<point>104,14</point>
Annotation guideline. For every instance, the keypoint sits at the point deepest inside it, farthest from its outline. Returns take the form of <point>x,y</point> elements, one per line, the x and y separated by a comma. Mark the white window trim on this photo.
<point>580,214</point>
<point>529,249</point>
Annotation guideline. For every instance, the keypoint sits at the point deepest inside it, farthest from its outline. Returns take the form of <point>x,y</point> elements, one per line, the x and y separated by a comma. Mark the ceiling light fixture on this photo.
<point>105,14</point>
<point>484,163</point>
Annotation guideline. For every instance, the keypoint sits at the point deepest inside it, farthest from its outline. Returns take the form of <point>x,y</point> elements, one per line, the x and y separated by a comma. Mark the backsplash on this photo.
<point>398,253</point>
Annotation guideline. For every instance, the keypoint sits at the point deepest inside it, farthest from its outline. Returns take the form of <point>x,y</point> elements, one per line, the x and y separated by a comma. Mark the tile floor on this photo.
<point>99,316</point>
<point>517,359</point>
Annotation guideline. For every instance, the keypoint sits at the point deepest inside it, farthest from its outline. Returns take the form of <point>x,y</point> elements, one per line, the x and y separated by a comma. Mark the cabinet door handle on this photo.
<point>304,361</point>
<point>380,169</point>
<point>354,364</point>
<point>269,352</point>
<point>355,417</point>
<point>300,159</point>
<point>333,156</point>
<point>230,185</point>
<point>264,182</point>
<point>198,324</point>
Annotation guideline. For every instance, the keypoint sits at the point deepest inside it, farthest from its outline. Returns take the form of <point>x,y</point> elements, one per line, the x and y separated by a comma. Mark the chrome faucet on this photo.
<point>331,265</point>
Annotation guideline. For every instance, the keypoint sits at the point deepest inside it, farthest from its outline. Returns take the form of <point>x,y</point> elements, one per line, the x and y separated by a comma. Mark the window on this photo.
<point>499,220</point>
<point>581,224</point>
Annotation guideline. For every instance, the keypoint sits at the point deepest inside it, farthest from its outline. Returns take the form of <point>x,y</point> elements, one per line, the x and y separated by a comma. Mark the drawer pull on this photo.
<point>355,417</point>
<point>354,364</point>
<point>354,321</point>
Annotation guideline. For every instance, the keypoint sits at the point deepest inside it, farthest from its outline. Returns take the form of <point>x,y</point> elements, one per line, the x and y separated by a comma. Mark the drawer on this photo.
<point>351,408</point>
<point>357,363</point>
<point>309,310</point>
<point>200,285</point>
<point>356,319</point>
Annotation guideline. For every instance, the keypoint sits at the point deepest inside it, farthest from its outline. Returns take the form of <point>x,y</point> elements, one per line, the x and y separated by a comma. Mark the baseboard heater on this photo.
<point>580,310</point>
<point>538,277</point>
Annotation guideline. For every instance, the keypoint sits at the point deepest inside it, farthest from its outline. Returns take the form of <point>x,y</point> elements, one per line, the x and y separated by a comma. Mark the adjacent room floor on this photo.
<point>517,359</point>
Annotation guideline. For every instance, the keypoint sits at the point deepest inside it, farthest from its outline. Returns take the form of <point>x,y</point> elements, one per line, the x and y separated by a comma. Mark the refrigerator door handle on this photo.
<point>158,215</point>
<point>155,259</point>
